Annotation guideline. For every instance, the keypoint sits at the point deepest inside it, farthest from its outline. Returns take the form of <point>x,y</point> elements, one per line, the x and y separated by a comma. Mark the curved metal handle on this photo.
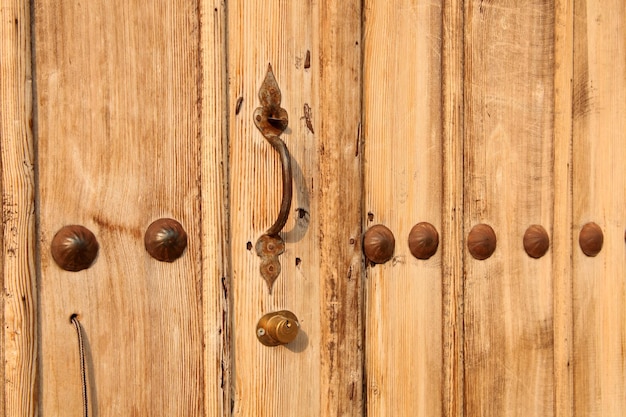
<point>272,120</point>
<point>281,147</point>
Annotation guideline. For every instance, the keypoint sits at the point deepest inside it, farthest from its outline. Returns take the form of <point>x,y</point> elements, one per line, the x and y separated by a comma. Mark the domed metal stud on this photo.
<point>379,244</point>
<point>423,240</point>
<point>74,248</point>
<point>591,239</point>
<point>165,240</point>
<point>536,241</point>
<point>481,241</point>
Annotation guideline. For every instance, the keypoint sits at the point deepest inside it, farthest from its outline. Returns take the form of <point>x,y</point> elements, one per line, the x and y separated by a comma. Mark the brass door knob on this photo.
<point>278,328</point>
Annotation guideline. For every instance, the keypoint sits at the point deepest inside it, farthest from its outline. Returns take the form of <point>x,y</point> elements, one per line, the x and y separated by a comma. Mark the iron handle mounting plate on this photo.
<point>272,120</point>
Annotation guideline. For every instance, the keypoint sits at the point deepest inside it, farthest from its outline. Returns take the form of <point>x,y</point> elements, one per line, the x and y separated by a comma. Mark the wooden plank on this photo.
<point>319,374</point>
<point>562,216</point>
<point>452,200</point>
<point>119,147</point>
<point>18,312</point>
<point>509,181</point>
<point>403,186</point>
<point>338,37</point>
<point>599,184</point>
<point>214,171</point>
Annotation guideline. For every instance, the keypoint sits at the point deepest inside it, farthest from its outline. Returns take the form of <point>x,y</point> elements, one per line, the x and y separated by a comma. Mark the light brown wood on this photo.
<point>320,373</point>
<point>562,216</point>
<point>214,228</point>
<point>119,146</point>
<point>452,201</point>
<point>403,186</point>
<point>339,149</point>
<point>509,87</point>
<point>18,308</point>
<point>599,180</point>
<point>502,112</point>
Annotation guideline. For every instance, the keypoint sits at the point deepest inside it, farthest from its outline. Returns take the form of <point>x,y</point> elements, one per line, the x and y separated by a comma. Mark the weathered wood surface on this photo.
<point>599,186</point>
<point>496,112</point>
<point>214,184</point>
<point>452,236</point>
<point>119,146</point>
<point>320,373</point>
<point>403,186</point>
<point>562,224</point>
<point>18,302</point>
<point>509,87</point>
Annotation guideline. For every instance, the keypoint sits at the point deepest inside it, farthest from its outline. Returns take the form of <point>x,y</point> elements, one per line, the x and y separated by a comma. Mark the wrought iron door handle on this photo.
<point>281,147</point>
<point>272,120</point>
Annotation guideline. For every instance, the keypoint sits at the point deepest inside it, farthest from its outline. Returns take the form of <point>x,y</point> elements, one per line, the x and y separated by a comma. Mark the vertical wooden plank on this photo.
<point>320,372</point>
<point>599,180</point>
<point>214,182</point>
<point>452,200</point>
<point>18,339</point>
<point>119,147</point>
<point>509,89</point>
<point>403,186</point>
<point>340,189</point>
<point>562,216</point>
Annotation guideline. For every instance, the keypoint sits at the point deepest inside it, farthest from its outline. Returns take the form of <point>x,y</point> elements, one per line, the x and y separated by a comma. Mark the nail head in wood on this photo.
<point>378,244</point>
<point>423,240</point>
<point>536,241</point>
<point>74,248</point>
<point>591,239</point>
<point>481,241</point>
<point>165,240</point>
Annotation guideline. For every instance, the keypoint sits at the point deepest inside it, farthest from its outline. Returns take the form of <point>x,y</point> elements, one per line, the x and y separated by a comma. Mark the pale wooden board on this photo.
<point>119,146</point>
<point>452,202</point>
<point>403,186</point>
<point>18,340</point>
<point>509,87</point>
<point>214,171</point>
<point>599,185</point>
<point>319,374</point>
<point>562,224</point>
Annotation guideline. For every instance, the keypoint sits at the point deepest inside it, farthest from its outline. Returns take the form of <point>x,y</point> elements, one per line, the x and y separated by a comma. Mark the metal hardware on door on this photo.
<point>272,120</point>
<point>536,241</point>
<point>423,240</point>
<point>165,240</point>
<point>278,328</point>
<point>379,244</point>
<point>591,239</point>
<point>74,248</point>
<point>481,241</point>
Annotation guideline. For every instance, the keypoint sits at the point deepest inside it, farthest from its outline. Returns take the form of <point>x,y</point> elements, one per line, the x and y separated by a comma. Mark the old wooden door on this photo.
<point>117,113</point>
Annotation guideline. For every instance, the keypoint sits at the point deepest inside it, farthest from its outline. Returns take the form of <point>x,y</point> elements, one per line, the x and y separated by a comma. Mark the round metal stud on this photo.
<point>165,240</point>
<point>423,240</point>
<point>536,241</point>
<point>74,248</point>
<point>379,244</point>
<point>591,239</point>
<point>481,241</point>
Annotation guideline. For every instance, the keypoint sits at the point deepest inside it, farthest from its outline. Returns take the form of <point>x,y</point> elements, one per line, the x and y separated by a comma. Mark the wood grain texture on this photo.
<point>215,232</point>
<point>509,87</point>
<point>119,146</point>
<point>320,373</point>
<point>599,185</point>
<point>18,305</point>
<point>403,186</point>
<point>562,243</point>
<point>452,238</point>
